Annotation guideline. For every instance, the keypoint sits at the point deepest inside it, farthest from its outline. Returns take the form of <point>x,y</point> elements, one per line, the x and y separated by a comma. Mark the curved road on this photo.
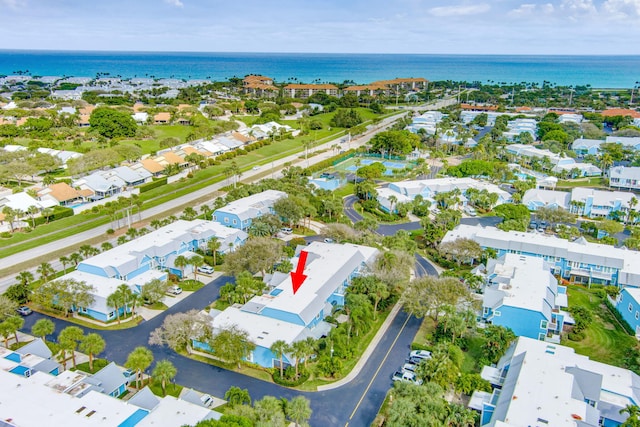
<point>354,404</point>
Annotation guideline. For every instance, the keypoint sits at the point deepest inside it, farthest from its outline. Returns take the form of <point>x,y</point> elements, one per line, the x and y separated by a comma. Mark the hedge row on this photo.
<point>327,163</point>
<point>59,212</point>
<point>153,184</point>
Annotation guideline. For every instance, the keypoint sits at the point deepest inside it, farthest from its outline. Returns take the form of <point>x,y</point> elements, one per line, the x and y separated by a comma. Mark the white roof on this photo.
<point>55,408</point>
<point>602,197</point>
<point>328,266</point>
<point>622,172</point>
<point>20,201</point>
<point>587,167</point>
<point>175,412</point>
<point>628,262</point>
<point>585,144</point>
<point>127,257</point>
<point>554,384</point>
<point>624,140</point>
<point>547,197</point>
<point>262,330</point>
<point>440,185</point>
<point>522,282</point>
<point>254,205</point>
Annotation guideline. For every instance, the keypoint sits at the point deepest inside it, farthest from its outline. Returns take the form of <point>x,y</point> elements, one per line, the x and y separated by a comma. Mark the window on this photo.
<point>497,313</point>
<point>235,221</point>
<point>544,324</point>
<point>637,315</point>
<point>630,307</point>
<point>226,220</point>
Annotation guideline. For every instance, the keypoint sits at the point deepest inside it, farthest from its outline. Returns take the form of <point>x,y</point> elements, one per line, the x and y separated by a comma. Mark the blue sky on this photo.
<point>362,26</point>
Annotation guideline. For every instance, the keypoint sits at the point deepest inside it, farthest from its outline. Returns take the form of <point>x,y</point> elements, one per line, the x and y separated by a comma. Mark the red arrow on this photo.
<point>297,278</point>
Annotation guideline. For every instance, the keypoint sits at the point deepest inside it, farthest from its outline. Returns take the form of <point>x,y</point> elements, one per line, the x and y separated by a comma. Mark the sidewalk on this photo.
<point>367,353</point>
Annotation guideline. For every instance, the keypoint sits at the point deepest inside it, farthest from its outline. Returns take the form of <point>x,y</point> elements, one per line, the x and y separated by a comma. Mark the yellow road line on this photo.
<point>378,370</point>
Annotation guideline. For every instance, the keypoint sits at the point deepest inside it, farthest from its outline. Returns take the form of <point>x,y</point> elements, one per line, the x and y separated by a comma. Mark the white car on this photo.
<point>175,290</point>
<point>406,376</point>
<point>206,400</point>
<point>206,269</point>
<point>420,354</point>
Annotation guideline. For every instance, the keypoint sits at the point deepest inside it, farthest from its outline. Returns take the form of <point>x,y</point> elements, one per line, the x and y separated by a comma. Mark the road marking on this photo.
<point>378,370</point>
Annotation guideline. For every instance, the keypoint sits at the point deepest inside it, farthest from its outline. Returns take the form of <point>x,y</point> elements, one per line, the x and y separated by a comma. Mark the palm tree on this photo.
<point>279,348</point>
<point>213,245</point>
<point>42,328</point>
<point>45,270</point>
<point>105,246</point>
<point>92,344</point>
<point>25,278</point>
<point>156,223</point>
<point>139,360</point>
<point>68,340</point>
<point>75,258</point>
<point>164,372</point>
<point>13,324</point>
<point>64,261</point>
<point>392,201</point>
<point>196,261</point>
<point>299,350</point>
<point>633,420</point>
<point>298,410</point>
<point>181,262</point>
<point>32,211</point>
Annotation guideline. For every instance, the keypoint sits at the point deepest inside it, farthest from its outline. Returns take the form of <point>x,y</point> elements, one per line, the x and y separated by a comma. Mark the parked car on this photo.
<point>328,240</point>
<point>206,269</point>
<point>470,211</point>
<point>286,230</point>
<point>420,354</point>
<point>409,377</point>
<point>130,375</point>
<point>24,310</point>
<point>206,400</point>
<point>175,290</point>
<point>533,225</point>
<point>409,367</point>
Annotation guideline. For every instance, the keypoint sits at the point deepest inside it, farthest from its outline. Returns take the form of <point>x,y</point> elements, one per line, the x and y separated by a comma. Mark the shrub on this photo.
<point>576,335</point>
<point>290,379</point>
<point>153,184</point>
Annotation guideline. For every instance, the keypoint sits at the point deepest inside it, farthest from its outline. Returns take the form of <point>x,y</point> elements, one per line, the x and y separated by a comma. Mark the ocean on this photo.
<point>597,71</point>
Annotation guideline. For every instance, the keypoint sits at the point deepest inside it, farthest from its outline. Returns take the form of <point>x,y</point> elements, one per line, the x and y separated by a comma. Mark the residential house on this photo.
<point>151,166</point>
<point>570,118</point>
<point>162,118</point>
<point>282,314</point>
<point>239,213</point>
<point>102,185</point>
<point>584,146</point>
<point>632,143</point>
<point>146,258</point>
<point>428,121</point>
<point>63,194</point>
<point>71,399</point>
<point>625,112</point>
<point>130,176</point>
<point>601,203</point>
<point>141,118</point>
<point>542,384</point>
<point>558,164</point>
<point>63,155</point>
<point>522,294</point>
<point>22,202</point>
<point>29,359</point>
<point>482,108</point>
<point>628,305</point>
<point>537,198</point>
<point>624,178</point>
<point>519,126</point>
<point>304,91</point>
<point>578,261</point>
<point>428,188</point>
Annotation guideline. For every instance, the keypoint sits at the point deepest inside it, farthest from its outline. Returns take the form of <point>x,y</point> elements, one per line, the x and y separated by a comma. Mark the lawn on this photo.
<point>97,365</point>
<point>581,182</point>
<point>605,339</point>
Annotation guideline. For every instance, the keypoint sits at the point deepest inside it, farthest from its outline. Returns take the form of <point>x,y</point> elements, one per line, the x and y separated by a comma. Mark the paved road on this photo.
<point>355,404</point>
<point>42,252</point>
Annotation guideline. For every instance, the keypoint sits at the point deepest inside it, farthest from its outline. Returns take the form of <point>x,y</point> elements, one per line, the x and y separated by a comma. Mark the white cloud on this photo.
<point>622,8</point>
<point>578,6</point>
<point>459,10</point>
<point>529,9</point>
<point>176,3</point>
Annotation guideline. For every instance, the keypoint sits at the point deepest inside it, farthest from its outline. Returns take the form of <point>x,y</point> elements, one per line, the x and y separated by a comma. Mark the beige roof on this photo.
<point>242,138</point>
<point>151,165</point>
<point>138,106</point>
<point>62,192</point>
<point>190,150</point>
<point>172,158</point>
<point>306,86</point>
<point>87,110</point>
<point>162,117</point>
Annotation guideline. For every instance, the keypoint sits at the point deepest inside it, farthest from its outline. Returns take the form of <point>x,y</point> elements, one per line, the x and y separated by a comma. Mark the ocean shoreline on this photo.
<point>598,71</point>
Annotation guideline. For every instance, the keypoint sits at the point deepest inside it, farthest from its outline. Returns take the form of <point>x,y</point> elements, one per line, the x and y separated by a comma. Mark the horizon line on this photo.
<point>310,53</point>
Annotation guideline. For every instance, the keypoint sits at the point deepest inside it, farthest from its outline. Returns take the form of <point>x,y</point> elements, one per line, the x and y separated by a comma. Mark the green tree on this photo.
<point>279,348</point>
<point>12,325</point>
<point>633,418</point>
<point>298,410</point>
<point>139,360</point>
<point>196,261</point>
<point>164,372</point>
<point>92,344</point>
<point>237,396</point>
<point>7,307</point>
<point>181,262</point>
<point>179,329</point>
<point>68,340</point>
<point>497,340</point>
<point>257,255</point>
<point>269,412</point>
<point>461,251</point>
<point>112,123</point>
<point>427,295</point>
<point>153,291</point>
<point>231,345</point>
<point>42,328</point>
<point>213,246</point>
<point>45,271</point>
